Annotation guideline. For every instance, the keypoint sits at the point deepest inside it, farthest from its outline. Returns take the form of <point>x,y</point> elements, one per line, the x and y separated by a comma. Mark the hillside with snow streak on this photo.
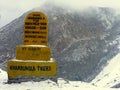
<point>110,76</point>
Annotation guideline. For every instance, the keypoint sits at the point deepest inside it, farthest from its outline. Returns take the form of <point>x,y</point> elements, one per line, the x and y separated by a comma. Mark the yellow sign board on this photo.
<point>33,59</point>
<point>17,68</point>
<point>33,52</point>
<point>36,29</point>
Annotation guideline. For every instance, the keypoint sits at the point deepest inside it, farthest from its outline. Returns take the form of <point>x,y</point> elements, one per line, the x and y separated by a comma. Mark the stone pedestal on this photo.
<point>33,52</point>
<point>29,68</point>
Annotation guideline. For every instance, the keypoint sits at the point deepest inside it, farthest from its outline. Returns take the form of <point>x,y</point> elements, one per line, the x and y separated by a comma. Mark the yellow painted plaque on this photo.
<point>33,52</point>
<point>25,68</point>
<point>36,29</point>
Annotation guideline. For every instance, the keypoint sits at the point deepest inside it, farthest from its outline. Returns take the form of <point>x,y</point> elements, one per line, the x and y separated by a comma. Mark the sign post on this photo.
<point>33,59</point>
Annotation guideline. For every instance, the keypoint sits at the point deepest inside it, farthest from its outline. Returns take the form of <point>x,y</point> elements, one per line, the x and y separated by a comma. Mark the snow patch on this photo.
<point>62,84</point>
<point>110,75</point>
<point>3,76</point>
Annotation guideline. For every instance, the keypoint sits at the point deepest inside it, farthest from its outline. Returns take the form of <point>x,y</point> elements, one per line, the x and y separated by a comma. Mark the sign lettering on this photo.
<point>36,29</point>
<point>31,68</point>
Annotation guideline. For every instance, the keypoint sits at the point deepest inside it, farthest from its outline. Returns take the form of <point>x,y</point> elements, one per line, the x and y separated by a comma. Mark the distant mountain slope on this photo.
<point>110,75</point>
<point>80,40</point>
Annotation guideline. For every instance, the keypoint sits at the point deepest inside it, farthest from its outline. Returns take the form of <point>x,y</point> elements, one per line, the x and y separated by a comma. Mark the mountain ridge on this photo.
<point>77,39</point>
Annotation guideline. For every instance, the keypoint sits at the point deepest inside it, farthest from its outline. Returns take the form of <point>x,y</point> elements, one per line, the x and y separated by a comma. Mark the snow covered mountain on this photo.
<point>82,42</point>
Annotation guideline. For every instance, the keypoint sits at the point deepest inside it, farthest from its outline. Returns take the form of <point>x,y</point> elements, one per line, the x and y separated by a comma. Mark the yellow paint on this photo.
<point>26,68</point>
<point>33,52</point>
<point>33,59</point>
<point>36,29</point>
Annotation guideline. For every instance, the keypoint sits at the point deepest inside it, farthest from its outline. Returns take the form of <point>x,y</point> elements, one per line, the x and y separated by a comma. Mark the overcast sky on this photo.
<point>11,9</point>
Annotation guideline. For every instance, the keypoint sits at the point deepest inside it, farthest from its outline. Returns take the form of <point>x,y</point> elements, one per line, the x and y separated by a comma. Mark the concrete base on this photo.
<point>33,52</point>
<point>21,69</point>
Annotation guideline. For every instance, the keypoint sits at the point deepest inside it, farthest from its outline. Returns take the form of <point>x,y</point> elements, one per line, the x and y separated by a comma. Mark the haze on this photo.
<point>11,9</point>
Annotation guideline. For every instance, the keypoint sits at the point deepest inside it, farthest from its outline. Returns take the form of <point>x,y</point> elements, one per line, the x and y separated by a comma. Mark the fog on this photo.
<point>11,9</point>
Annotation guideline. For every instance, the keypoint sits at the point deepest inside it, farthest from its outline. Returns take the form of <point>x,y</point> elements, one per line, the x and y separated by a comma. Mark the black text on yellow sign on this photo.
<point>35,68</point>
<point>33,52</point>
<point>36,29</point>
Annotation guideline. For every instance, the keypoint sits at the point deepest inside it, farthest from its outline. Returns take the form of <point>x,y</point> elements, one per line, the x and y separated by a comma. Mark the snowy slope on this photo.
<point>47,85</point>
<point>110,75</point>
